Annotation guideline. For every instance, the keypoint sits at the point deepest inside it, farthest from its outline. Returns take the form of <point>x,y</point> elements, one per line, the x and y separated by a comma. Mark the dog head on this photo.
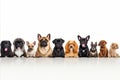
<point>83,41</point>
<point>44,41</point>
<point>102,43</point>
<point>93,47</point>
<point>19,43</point>
<point>58,42</point>
<point>30,45</point>
<point>71,46</point>
<point>5,46</point>
<point>114,46</point>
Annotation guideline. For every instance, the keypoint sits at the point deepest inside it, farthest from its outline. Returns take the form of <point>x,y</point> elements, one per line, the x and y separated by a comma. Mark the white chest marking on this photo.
<point>18,52</point>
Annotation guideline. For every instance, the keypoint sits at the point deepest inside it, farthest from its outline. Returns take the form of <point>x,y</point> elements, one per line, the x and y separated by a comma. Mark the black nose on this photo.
<point>70,46</point>
<point>43,44</point>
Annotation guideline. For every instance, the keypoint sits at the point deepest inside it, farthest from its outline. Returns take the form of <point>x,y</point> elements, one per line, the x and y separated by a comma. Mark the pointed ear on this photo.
<point>49,36</point>
<point>34,42</point>
<point>27,42</point>
<point>96,43</point>
<point>39,36</point>
<point>91,43</point>
<point>79,37</point>
<point>88,37</point>
<point>54,40</point>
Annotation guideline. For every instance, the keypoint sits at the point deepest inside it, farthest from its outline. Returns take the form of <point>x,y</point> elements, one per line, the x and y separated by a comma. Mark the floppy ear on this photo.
<point>76,47</point>
<point>34,42</point>
<point>27,42</point>
<point>67,47</point>
<point>54,40</point>
<point>105,42</point>
<point>10,43</point>
<point>49,36</point>
<point>63,40</point>
<point>99,43</point>
<point>88,37</point>
<point>39,36</point>
<point>79,37</point>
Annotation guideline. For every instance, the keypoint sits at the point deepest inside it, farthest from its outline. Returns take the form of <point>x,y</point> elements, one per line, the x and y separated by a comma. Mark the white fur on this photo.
<point>18,52</point>
<point>31,53</point>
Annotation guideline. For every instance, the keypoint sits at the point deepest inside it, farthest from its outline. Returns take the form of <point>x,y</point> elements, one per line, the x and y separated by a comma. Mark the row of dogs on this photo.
<point>44,49</point>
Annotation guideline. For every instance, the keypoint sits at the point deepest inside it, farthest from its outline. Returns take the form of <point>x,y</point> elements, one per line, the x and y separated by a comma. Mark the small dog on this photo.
<point>112,51</point>
<point>83,48</point>
<point>19,49</point>
<point>103,49</point>
<point>30,52</point>
<point>58,50</point>
<point>71,49</point>
<point>93,50</point>
<point>44,49</point>
<point>6,49</point>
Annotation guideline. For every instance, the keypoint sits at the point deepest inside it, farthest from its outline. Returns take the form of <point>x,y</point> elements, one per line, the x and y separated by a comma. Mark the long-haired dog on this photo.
<point>44,49</point>
<point>71,49</point>
<point>103,49</point>
<point>112,50</point>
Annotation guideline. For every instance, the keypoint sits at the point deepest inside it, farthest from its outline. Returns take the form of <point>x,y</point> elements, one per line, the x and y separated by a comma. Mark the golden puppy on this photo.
<point>71,49</point>
<point>112,51</point>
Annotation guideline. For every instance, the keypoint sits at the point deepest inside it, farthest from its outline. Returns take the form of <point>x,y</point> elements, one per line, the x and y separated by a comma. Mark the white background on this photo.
<point>63,19</point>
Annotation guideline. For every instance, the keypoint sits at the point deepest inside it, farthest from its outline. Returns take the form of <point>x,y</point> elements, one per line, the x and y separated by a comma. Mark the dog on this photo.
<point>71,48</point>
<point>93,50</point>
<point>44,49</point>
<point>103,49</point>
<point>112,50</point>
<point>30,52</point>
<point>58,50</point>
<point>19,50</point>
<point>6,50</point>
<point>83,47</point>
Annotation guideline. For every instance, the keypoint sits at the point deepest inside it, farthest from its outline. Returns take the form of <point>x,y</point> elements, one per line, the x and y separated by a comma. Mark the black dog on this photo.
<point>6,49</point>
<point>83,48</point>
<point>19,49</point>
<point>58,50</point>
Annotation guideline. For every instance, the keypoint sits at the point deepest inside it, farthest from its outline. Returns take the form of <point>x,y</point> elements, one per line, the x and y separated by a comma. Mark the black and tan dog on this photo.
<point>44,49</point>
<point>6,50</point>
<point>19,49</point>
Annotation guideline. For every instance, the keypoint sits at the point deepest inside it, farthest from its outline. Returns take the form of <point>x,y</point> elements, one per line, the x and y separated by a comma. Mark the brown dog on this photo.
<point>71,49</point>
<point>103,49</point>
<point>44,49</point>
<point>112,51</point>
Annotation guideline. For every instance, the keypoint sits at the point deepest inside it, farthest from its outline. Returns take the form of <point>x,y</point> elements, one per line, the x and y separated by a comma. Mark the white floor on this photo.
<point>59,69</point>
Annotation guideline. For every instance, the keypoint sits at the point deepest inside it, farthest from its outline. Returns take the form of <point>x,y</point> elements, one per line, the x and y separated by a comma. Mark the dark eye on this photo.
<point>28,46</point>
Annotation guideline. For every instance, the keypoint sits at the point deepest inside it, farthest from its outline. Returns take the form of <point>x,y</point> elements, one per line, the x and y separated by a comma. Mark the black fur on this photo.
<point>58,50</point>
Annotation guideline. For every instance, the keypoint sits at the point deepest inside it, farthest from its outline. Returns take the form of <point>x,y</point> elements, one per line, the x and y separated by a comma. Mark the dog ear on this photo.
<point>105,42</point>
<point>39,36</point>
<point>34,42</point>
<point>27,42</point>
<point>49,36</point>
<point>10,43</point>
<point>91,43</point>
<point>99,43</point>
<point>63,40</point>
<point>88,37</point>
<point>67,47</point>
<point>79,37</point>
<point>76,47</point>
<point>54,40</point>
<point>96,43</point>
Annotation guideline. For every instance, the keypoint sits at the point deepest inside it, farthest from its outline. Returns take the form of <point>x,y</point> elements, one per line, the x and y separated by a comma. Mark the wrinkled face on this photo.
<point>5,45</point>
<point>19,44</point>
<point>102,43</point>
<point>114,46</point>
<point>93,46</point>
<point>58,42</point>
<point>83,41</point>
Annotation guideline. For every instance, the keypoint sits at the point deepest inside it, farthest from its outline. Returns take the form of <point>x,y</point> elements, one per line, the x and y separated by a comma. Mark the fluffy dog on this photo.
<point>103,49</point>
<point>19,49</point>
<point>30,52</point>
<point>58,50</point>
<point>71,49</point>
<point>112,51</point>
<point>44,49</point>
<point>93,50</point>
<point>6,49</point>
<point>83,48</point>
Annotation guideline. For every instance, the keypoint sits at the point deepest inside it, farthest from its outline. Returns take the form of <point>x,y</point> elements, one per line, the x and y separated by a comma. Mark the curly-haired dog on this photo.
<point>103,49</point>
<point>71,49</point>
<point>44,49</point>
<point>112,50</point>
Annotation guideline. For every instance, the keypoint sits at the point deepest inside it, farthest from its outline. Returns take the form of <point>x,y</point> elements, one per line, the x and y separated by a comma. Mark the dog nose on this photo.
<point>70,46</point>
<point>43,44</point>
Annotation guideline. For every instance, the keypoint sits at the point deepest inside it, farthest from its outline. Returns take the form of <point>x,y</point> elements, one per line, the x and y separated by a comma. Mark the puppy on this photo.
<point>103,49</point>
<point>83,48</point>
<point>58,50</point>
<point>71,49</point>
<point>6,49</point>
<point>93,50</point>
<point>30,52</point>
<point>112,51</point>
<point>19,49</point>
<point>44,49</point>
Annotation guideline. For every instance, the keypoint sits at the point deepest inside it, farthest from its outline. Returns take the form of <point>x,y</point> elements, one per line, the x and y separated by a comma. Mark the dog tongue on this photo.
<point>5,49</point>
<point>83,45</point>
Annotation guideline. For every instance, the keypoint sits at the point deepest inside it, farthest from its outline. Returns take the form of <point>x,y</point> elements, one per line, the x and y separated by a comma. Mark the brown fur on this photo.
<point>112,51</point>
<point>103,49</point>
<point>44,51</point>
<point>74,50</point>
